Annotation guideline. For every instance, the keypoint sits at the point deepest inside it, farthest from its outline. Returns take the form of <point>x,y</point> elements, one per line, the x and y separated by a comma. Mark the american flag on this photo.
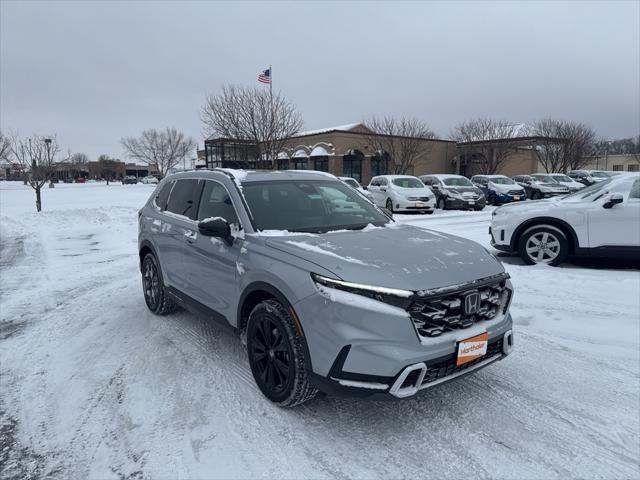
<point>265,76</point>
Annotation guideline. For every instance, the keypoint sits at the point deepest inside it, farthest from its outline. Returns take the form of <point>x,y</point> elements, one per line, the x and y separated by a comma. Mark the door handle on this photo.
<point>190,236</point>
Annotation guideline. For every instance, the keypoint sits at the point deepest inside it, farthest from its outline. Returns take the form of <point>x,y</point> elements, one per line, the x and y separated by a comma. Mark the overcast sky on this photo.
<point>94,72</point>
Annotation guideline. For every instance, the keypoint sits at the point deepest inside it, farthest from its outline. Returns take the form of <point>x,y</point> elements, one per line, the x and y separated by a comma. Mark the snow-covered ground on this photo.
<point>94,386</point>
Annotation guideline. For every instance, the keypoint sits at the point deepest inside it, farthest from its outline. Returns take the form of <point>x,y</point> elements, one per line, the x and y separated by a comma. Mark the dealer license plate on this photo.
<point>419,204</point>
<point>516,197</point>
<point>472,202</point>
<point>472,348</point>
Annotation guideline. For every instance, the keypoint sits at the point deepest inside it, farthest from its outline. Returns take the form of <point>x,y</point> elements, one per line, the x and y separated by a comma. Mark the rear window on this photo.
<point>408,182</point>
<point>182,198</point>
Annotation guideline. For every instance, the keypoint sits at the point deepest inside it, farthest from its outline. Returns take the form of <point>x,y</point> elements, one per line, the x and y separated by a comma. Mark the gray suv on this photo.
<point>328,291</point>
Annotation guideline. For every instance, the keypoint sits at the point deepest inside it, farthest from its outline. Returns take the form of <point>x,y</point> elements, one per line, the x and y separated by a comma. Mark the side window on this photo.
<point>163,195</point>
<point>635,189</point>
<point>216,202</point>
<point>182,198</point>
<point>426,180</point>
<point>383,182</point>
<point>374,182</point>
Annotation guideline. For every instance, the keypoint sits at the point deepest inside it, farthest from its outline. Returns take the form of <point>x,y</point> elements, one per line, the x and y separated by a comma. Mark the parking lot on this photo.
<point>92,384</point>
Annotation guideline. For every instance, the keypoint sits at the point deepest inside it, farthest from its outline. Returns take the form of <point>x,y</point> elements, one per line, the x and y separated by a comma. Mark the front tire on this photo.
<point>442,204</point>
<point>155,294</point>
<point>389,205</point>
<point>535,195</point>
<point>543,244</point>
<point>276,355</point>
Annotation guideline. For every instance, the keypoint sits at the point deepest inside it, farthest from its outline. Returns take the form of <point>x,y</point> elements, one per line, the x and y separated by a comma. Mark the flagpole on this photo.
<point>271,106</point>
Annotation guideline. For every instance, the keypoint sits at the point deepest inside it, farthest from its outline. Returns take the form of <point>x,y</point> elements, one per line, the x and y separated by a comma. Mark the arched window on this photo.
<point>300,160</point>
<point>352,164</point>
<point>380,163</point>
<point>320,157</point>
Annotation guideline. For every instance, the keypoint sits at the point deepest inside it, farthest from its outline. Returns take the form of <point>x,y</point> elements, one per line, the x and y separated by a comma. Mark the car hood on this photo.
<point>464,189</point>
<point>498,187</point>
<point>412,192</point>
<point>396,256</point>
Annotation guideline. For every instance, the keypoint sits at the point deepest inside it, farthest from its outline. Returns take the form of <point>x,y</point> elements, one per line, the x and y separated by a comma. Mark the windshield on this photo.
<point>351,182</point>
<point>600,174</point>
<point>562,178</point>
<point>545,179</point>
<point>501,181</point>
<point>408,182</point>
<point>590,191</point>
<point>309,206</point>
<point>457,182</point>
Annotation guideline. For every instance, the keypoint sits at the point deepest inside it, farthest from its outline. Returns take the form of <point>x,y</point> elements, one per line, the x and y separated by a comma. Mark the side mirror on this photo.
<point>614,199</point>
<point>383,189</point>
<point>216,227</point>
<point>364,187</point>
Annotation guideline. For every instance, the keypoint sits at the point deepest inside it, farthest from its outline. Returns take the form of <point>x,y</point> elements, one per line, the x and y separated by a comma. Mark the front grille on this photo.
<point>418,199</point>
<point>515,192</point>
<point>437,314</point>
<point>443,368</point>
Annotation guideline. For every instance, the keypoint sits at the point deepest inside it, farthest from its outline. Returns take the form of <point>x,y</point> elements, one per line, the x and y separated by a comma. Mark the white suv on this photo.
<point>402,193</point>
<point>600,220</point>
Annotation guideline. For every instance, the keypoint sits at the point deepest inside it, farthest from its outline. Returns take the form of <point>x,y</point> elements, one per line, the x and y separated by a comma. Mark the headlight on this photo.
<point>394,296</point>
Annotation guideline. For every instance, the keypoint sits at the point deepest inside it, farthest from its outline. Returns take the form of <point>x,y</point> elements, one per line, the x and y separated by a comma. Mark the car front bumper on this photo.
<point>364,351</point>
<point>464,204</point>
<point>506,198</point>
<point>414,206</point>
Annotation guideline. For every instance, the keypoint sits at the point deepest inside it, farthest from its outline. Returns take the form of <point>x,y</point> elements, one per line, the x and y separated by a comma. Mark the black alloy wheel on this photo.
<point>271,357</point>
<point>155,296</point>
<point>276,355</point>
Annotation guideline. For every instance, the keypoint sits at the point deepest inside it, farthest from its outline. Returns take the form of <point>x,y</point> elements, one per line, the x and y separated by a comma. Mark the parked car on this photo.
<point>455,191</point>
<point>401,193</point>
<point>588,177</point>
<point>567,181</point>
<point>600,220</point>
<point>539,186</point>
<point>129,180</point>
<point>353,183</point>
<point>149,179</point>
<point>499,189</point>
<point>267,254</point>
<point>80,180</point>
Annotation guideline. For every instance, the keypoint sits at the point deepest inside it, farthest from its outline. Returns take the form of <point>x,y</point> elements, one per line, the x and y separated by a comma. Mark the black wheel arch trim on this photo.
<point>280,297</point>
<point>146,244</point>
<point>554,222</point>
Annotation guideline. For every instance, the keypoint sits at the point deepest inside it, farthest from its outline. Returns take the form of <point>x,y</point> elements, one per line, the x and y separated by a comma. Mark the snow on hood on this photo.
<point>498,187</point>
<point>404,256</point>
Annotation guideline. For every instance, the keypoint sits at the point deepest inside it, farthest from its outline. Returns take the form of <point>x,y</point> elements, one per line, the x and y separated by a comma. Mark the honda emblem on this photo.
<point>471,303</point>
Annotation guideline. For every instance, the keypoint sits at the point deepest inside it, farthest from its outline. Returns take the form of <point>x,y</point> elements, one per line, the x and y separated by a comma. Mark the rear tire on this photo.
<point>276,355</point>
<point>155,293</point>
<point>544,244</point>
<point>535,195</point>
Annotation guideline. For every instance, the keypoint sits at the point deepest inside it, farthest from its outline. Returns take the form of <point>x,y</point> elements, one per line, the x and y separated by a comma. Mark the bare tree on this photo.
<point>35,156</point>
<point>402,139</point>
<point>493,142</point>
<point>5,146</point>
<point>565,145</point>
<point>251,114</point>
<point>78,158</point>
<point>162,148</point>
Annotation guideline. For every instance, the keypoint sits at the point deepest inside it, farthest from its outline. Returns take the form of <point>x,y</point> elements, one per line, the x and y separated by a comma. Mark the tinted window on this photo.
<point>183,195</point>
<point>215,202</point>
<point>457,182</point>
<point>163,196</point>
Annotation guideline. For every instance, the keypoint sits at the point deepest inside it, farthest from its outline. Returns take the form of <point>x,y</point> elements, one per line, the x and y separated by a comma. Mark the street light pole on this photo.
<point>47,142</point>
